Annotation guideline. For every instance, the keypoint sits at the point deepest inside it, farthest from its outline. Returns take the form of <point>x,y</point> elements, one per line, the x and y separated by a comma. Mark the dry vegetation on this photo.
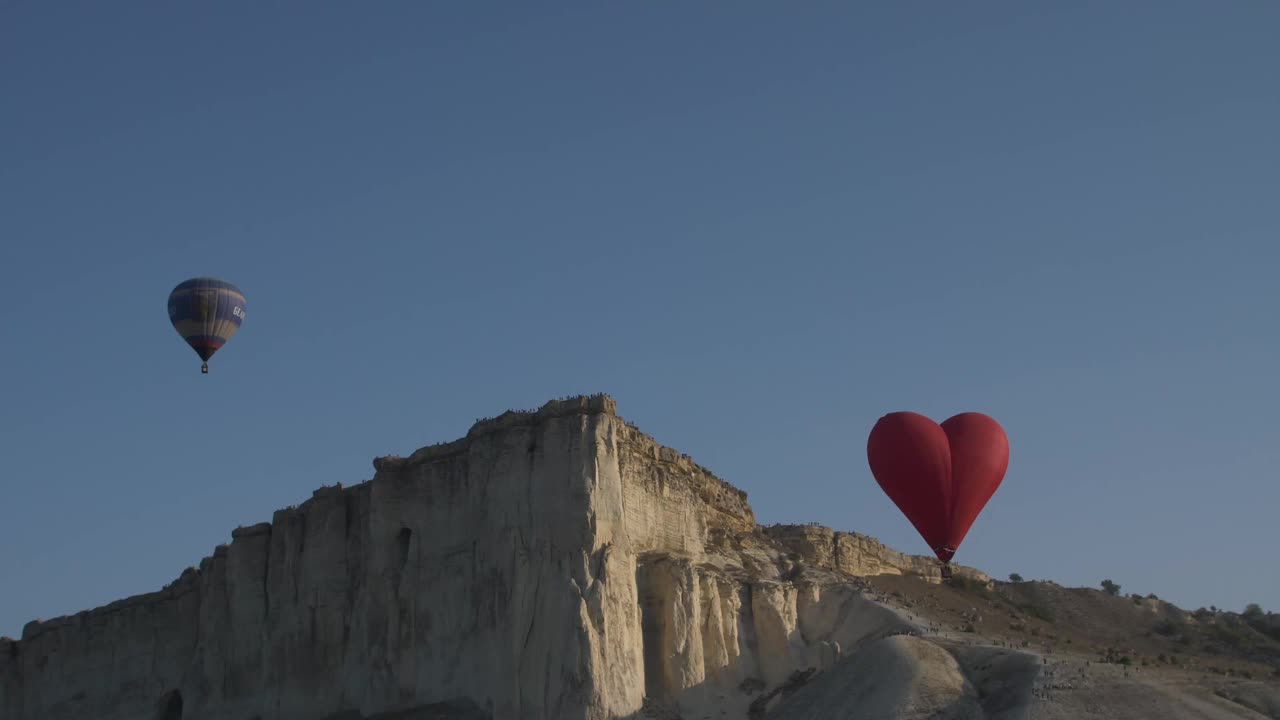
<point>1103,627</point>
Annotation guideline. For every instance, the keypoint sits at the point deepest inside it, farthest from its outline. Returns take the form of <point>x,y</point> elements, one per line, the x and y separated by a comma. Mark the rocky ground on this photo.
<point>1038,650</point>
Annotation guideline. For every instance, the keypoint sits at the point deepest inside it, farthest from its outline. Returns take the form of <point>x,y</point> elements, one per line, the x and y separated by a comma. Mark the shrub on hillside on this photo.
<point>1110,588</point>
<point>1234,639</point>
<point>1266,623</point>
<point>976,587</point>
<point>1037,611</point>
<point>1015,577</point>
<point>1269,628</point>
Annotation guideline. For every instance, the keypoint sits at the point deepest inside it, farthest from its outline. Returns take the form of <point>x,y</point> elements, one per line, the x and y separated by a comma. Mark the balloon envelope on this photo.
<point>939,476</point>
<point>206,312</point>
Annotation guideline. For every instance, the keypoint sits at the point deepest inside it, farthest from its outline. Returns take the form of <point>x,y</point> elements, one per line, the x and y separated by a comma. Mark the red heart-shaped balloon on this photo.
<point>939,476</point>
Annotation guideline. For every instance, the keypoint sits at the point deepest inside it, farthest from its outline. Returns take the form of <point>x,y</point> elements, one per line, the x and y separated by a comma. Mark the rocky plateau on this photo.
<point>557,564</point>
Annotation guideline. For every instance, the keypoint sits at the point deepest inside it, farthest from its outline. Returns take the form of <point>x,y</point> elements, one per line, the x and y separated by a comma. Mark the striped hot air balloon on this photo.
<point>206,312</point>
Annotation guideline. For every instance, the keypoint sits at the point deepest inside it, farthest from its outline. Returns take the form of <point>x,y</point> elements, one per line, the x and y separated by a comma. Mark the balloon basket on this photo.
<point>204,368</point>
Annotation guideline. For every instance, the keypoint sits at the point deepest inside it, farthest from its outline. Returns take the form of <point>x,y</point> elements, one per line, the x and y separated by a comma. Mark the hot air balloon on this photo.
<point>939,476</point>
<point>206,312</point>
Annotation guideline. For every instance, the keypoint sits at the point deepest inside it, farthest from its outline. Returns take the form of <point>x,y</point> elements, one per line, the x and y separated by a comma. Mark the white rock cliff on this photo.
<point>551,565</point>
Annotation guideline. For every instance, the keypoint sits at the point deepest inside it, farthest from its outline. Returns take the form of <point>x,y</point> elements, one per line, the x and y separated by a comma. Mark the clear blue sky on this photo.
<point>759,227</point>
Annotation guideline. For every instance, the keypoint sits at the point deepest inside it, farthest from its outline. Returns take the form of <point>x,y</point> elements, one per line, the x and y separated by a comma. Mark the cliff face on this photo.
<point>859,555</point>
<point>556,564</point>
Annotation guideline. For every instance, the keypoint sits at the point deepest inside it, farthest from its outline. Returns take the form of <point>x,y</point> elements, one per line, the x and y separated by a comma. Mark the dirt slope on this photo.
<point>1032,650</point>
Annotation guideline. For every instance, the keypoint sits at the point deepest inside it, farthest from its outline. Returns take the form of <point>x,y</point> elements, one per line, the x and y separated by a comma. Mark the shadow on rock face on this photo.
<point>1258,697</point>
<point>910,678</point>
<point>455,710</point>
<point>1003,679</point>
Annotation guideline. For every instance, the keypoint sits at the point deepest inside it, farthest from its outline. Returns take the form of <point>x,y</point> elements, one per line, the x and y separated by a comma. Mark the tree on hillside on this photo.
<point>1110,588</point>
<point>1015,577</point>
<point>1252,610</point>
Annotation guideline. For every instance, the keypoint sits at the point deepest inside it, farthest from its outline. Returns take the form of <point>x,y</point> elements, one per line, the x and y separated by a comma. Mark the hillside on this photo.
<point>561,564</point>
<point>1102,655</point>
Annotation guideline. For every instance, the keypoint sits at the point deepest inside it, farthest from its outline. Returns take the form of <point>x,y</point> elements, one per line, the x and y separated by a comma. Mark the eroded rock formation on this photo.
<point>551,565</point>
